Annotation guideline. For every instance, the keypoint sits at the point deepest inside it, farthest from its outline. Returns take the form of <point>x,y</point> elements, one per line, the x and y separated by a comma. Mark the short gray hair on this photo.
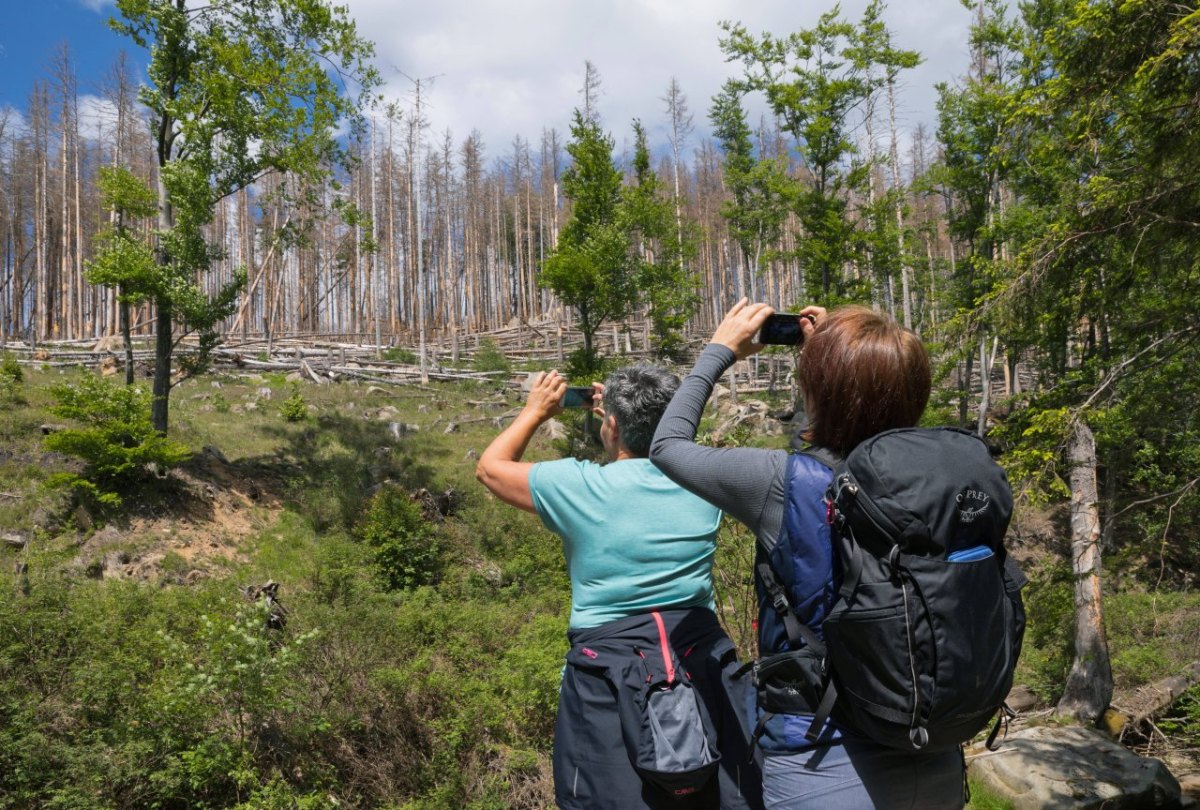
<point>637,396</point>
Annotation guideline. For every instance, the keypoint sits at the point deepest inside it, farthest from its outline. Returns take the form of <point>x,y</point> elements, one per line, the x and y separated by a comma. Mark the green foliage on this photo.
<point>406,545</point>
<point>660,251</point>
<point>115,439</point>
<point>10,369</point>
<point>235,90</point>
<point>984,799</point>
<point>294,408</point>
<point>812,80</point>
<point>1184,720</point>
<point>489,357</point>
<point>592,269</point>
<point>398,354</point>
<point>11,379</point>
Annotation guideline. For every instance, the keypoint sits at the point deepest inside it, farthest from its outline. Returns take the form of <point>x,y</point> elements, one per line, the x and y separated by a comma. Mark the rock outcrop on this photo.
<point>1061,767</point>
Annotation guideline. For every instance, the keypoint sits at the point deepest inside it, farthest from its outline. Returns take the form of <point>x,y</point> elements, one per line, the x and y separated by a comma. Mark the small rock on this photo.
<point>451,427</point>
<point>14,541</point>
<point>109,534</point>
<point>83,519</point>
<point>553,429</point>
<point>264,393</point>
<point>251,406</point>
<point>1021,698</point>
<point>375,389</point>
<point>215,383</point>
<point>387,413</point>
<point>213,453</point>
<point>47,429</point>
<point>295,376</point>
<point>422,408</point>
<point>471,455</point>
<point>398,429</point>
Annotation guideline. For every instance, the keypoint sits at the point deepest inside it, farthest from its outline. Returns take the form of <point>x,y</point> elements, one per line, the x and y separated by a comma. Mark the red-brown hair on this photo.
<point>862,373</point>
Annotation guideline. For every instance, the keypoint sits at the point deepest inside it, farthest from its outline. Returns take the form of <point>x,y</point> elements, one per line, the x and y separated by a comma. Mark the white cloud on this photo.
<point>516,67</point>
<point>96,5</point>
<point>12,121</point>
<point>97,116</point>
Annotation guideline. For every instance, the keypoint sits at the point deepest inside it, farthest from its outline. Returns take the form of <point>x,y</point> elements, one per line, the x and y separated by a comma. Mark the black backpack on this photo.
<point>922,640</point>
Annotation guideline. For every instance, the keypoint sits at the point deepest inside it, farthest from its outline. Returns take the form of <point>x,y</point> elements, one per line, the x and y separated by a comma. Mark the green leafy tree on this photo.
<point>592,269</point>
<point>758,187</point>
<point>125,261</point>
<point>236,90</point>
<point>885,239</point>
<point>667,289</point>
<point>813,80</point>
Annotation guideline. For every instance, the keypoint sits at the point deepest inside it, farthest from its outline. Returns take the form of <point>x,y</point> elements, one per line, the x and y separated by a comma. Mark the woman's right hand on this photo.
<point>545,395</point>
<point>741,324</point>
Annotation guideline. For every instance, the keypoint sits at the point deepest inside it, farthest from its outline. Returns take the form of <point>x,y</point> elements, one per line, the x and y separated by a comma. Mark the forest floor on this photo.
<point>260,494</point>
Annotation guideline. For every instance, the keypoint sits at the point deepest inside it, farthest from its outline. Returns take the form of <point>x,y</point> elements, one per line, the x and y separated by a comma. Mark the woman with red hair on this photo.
<point>860,374</point>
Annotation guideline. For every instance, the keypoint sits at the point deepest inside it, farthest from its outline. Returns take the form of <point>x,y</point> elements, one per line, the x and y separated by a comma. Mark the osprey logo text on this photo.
<point>972,504</point>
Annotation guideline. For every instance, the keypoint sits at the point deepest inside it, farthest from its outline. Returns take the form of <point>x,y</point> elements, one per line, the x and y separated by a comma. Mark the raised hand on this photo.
<point>741,324</point>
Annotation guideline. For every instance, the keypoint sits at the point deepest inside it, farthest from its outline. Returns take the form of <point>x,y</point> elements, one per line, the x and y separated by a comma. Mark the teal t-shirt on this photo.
<point>634,540</point>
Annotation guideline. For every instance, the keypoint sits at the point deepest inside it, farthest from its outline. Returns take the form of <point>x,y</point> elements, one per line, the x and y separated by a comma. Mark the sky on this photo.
<point>515,67</point>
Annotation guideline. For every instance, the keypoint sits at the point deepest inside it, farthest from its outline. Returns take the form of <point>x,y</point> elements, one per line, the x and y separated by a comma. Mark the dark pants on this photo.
<point>592,767</point>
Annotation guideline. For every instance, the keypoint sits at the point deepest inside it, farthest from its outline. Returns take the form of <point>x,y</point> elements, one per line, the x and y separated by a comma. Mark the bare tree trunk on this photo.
<point>1090,684</point>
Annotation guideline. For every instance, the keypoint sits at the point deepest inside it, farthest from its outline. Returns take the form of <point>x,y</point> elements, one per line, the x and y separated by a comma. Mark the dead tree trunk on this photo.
<point>1090,684</point>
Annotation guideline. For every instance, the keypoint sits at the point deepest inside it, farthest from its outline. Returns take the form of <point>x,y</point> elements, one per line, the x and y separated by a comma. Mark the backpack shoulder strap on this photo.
<point>822,454</point>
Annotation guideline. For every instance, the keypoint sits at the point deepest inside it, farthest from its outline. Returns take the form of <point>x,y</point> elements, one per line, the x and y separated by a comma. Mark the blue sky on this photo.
<point>34,29</point>
<point>514,67</point>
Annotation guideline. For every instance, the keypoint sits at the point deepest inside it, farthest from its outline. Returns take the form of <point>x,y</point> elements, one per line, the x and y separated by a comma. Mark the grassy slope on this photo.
<point>440,697</point>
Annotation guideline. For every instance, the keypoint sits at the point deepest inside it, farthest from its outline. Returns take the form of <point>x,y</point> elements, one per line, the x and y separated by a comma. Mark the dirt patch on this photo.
<point>191,523</point>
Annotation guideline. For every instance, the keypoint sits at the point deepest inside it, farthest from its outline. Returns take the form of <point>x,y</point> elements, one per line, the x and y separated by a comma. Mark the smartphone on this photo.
<point>783,329</point>
<point>578,396</point>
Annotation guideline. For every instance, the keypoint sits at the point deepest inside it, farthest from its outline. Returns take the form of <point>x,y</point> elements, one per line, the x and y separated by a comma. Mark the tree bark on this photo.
<point>1089,685</point>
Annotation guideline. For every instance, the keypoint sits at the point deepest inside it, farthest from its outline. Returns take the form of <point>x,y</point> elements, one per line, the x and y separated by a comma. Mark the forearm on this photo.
<point>677,429</point>
<point>741,481</point>
<point>500,468</point>
<point>510,445</point>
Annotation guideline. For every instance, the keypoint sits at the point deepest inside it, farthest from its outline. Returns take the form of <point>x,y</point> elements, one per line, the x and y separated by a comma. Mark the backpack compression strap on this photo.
<point>799,635</point>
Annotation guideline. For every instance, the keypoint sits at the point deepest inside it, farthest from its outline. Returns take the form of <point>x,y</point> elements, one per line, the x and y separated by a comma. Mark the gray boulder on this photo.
<point>1061,767</point>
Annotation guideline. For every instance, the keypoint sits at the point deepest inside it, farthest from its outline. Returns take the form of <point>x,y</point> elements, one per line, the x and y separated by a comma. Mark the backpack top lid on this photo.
<point>929,490</point>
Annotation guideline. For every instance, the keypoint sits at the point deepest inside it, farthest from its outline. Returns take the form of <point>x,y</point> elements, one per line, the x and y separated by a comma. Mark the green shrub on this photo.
<point>397,354</point>
<point>220,403</point>
<point>489,357</point>
<point>11,378</point>
<point>294,408</point>
<point>115,440</point>
<point>407,550</point>
<point>10,369</point>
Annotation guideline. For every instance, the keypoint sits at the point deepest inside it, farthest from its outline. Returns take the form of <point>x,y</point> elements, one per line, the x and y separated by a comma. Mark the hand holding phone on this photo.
<point>783,329</point>
<point>578,396</point>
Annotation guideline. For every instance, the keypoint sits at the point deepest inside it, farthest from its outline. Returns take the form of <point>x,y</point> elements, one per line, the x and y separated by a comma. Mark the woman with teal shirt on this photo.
<point>638,548</point>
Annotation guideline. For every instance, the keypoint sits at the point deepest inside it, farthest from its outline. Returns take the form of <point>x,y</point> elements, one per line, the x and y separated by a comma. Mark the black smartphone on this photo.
<point>578,396</point>
<point>783,329</point>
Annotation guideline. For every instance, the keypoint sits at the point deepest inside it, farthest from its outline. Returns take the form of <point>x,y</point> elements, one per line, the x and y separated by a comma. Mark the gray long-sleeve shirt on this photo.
<point>747,483</point>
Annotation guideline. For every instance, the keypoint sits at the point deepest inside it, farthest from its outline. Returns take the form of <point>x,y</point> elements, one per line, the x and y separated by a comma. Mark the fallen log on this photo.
<point>1147,701</point>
